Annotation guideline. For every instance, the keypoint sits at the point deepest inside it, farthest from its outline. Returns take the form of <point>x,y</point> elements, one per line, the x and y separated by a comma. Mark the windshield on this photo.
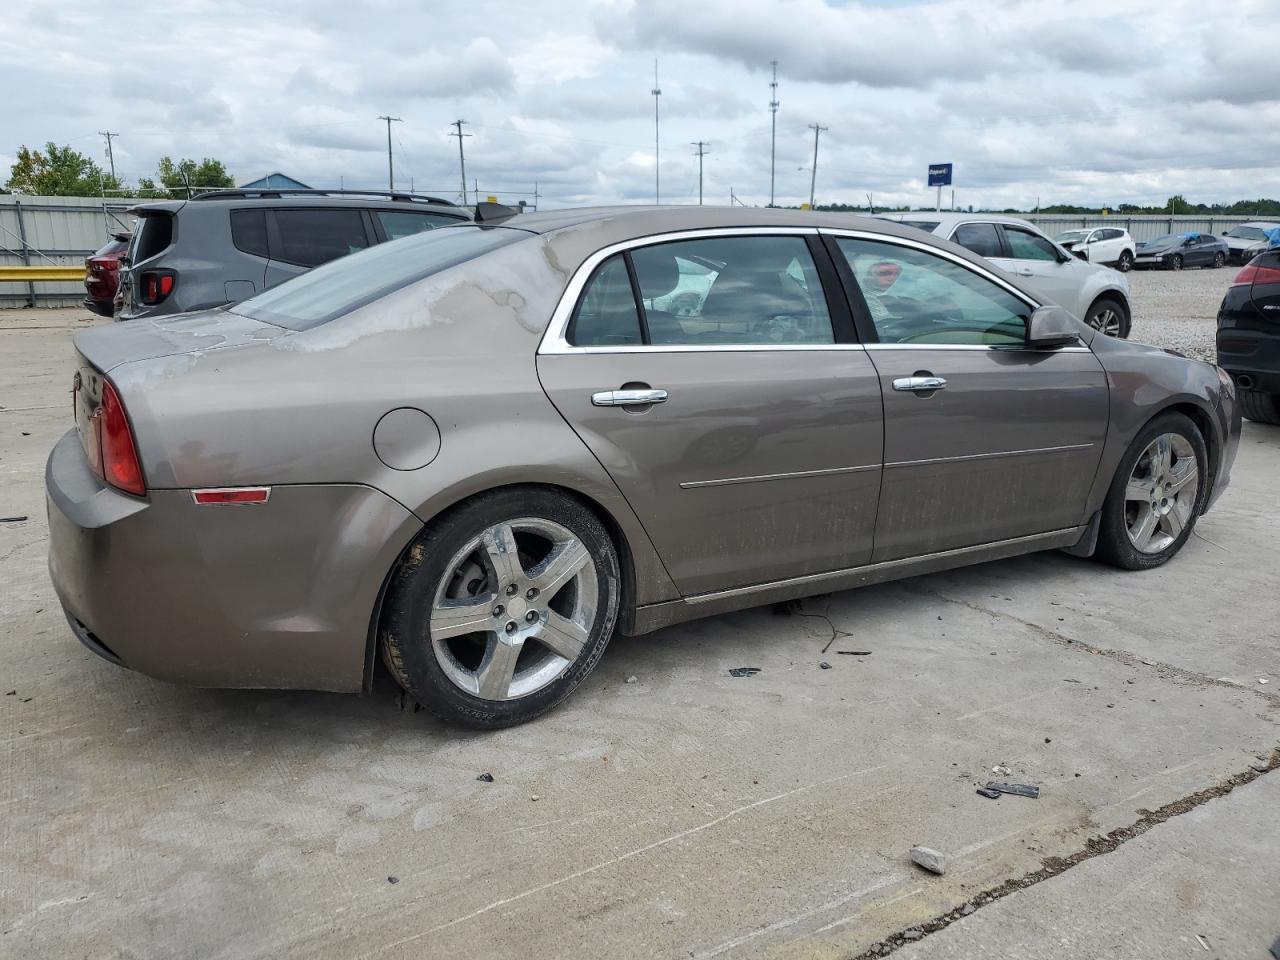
<point>1167,240</point>
<point>340,286</point>
<point>1247,233</point>
<point>1070,236</point>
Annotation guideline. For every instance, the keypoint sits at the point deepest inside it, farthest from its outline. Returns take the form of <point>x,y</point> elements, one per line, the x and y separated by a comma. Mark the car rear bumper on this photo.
<point>1252,357</point>
<point>103,308</point>
<point>277,595</point>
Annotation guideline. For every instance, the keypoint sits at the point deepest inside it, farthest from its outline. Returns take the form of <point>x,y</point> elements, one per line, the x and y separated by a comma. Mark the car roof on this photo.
<point>1260,223</point>
<point>947,218</point>
<point>640,221</point>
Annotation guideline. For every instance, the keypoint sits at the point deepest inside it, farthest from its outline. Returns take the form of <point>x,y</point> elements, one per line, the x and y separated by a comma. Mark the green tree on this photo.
<point>186,174</point>
<point>59,172</point>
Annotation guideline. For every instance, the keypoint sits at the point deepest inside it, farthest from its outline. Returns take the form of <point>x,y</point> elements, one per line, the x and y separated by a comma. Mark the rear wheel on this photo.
<point>1219,259</point>
<point>502,607</point>
<point>1156,495</point>
<point>1260,407</point>
<point>1108,316</point>
<point>1125,263</point>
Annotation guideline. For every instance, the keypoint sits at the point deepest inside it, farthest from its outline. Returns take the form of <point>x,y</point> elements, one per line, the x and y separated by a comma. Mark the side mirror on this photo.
<point>1051,326</point>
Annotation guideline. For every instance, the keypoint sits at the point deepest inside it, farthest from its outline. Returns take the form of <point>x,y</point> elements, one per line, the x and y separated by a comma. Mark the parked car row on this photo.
<point>485,448</point>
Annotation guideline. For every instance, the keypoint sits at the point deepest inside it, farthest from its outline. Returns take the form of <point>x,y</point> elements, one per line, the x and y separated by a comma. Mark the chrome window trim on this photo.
<point>553,339</point>
<point>974,346</point>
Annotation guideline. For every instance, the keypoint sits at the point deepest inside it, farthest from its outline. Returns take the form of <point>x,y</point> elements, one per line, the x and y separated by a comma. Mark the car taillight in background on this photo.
<point>154,285</point>
<point>109,447</point>
<point>102,264</point>
<point>1256,273</point>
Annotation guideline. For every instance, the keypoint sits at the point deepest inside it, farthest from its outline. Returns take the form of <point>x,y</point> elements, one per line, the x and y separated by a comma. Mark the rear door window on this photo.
<point>981,238</point>
<point>309,238</point>
<point>153,233</point>
<point>606,315</point>
<point>401,223</point>
<point>249,231</point>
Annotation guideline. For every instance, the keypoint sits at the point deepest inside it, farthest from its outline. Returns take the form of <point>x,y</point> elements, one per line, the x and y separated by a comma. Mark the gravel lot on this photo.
<point>1178,310</point>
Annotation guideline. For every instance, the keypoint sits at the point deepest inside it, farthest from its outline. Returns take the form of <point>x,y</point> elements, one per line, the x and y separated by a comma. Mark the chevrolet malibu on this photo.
<point>484,449</point>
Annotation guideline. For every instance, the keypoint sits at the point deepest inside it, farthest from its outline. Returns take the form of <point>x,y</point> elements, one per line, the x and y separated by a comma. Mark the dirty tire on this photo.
<point>1114,545</point>
<point>1219,259</point>
<point>1260,407</point>
<point>1125,264</point>
<point>1104,307</point>
<point>404,632</point>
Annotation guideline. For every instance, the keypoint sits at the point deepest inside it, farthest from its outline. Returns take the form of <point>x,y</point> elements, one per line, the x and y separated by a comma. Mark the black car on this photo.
<point>1174,251</point>
<point>225,246</point>
<point>1249,336</point>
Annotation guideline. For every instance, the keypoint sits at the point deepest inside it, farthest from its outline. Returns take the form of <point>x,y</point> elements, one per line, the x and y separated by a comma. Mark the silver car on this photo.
<point>483,449</point>
<point>1094,293</point>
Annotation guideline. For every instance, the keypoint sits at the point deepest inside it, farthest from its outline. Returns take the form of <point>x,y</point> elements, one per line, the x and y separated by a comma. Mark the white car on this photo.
<point>1246,241</point>
<point>1096,294</point>
<point>1109,245</point>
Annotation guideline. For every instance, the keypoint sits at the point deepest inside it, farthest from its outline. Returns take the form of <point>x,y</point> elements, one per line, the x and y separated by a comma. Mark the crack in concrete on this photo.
<point>1050,867</point>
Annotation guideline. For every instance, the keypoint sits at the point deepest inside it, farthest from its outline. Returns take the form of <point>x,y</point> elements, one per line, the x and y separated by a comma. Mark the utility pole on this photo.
<point>773,134</point>
<point>111,157</point>
<point>657,179</point>
<point>813,179</point>
<point>700,153</point>
<point>462,160</point>
<point>536,195</point>
<point>391,174</point>
<point>871,204</point>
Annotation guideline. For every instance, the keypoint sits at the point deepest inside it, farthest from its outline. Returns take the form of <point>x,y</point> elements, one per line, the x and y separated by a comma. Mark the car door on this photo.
<point>1036,260</point>
<point>732,407</point>
<point>304,237</point>
<point>985,439</point>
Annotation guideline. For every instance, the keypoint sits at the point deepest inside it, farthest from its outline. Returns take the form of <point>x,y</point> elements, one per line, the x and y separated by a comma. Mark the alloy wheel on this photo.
<point>1106,320</point>
<point>1161,493</point>
<point>515,609</point>
<point>1176,262</point>
<point>1126,262</point>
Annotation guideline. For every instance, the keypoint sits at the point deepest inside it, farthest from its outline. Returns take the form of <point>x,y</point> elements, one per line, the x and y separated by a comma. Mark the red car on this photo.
<point>102,275</point>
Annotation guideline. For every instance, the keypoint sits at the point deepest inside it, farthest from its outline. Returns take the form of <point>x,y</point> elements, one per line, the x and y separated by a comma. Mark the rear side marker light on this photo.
<point>212,495</point>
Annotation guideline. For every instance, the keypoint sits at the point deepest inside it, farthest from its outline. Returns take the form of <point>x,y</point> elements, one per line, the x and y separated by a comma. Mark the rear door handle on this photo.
<point>626,398</point>
<point>910,384</point>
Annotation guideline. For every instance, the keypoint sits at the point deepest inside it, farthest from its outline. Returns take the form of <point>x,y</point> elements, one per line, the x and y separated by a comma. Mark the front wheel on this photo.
<point>1125,263</point>
<point>502,607</point>
<point>1156,495</point>
<point>1218,259</point>
<point>1175,262</point>
<point>1108,316</point>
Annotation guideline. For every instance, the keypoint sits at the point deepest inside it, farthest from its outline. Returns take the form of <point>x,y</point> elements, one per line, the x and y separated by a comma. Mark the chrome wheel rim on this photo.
<point>1161,493</point>
<point>1126,262</point>
<point>514,609</point>
<point>1107,321</point>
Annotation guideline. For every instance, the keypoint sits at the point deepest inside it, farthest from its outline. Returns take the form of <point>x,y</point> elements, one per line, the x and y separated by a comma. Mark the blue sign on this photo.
<point>939,174</point>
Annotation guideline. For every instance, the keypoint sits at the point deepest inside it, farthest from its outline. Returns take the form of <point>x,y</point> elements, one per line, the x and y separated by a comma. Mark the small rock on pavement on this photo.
<point>632,679</point>
<point>824,665</point>
<point>930,859</point>
<point>393,879</point>
<point>1001,769</point>
<point>485,778</point>
<point>967,909</point>
<point>913,934</point>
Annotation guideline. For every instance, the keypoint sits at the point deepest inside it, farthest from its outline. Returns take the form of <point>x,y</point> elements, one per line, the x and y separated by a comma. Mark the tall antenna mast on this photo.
<point>391,175</point>
<point>657,179</point>
<point>773,135</point>
<point>462,160</point>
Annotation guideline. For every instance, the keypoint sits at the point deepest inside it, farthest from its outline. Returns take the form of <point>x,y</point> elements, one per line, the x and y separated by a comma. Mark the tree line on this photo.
<point>60,171</point>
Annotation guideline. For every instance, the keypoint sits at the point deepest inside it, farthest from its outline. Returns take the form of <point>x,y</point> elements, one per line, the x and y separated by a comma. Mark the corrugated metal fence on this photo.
<point>50,231</point>
<point>1140,227</point>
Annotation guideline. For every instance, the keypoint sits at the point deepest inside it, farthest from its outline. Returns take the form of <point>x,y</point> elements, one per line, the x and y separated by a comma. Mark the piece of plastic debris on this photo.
<point>988,793</point>
<point>823,665</point>
<point>485,778</point>
<point>855,653</point>
<point>930,859</point>
<point>1263,680</point>
<point>743,671</point>
<point>393,879</point>
<point>632,679</point>
<point>1017,789</point>
<point>1001,769</point>
<point>1203,943</point>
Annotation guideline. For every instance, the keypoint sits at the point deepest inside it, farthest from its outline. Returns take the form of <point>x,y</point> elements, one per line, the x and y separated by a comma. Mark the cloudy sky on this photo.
<point>1089,101</point>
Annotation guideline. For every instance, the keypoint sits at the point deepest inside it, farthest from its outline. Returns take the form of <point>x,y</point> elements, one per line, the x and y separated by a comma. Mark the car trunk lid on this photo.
<point>107,347</point>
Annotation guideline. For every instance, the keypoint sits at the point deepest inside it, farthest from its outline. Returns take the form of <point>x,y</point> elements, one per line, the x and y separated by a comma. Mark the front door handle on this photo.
<point>911,384</point>
<point>627,398</point>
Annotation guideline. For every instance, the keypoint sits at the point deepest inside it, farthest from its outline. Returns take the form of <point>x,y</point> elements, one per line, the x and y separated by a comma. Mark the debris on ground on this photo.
<point>988,793</point>
<point>1001,770</point>
<point>967,909</point>
<point>1259,767</point>
<point>633,679</point>
<point>823,665</point>
<point>743,671</point>
<point>930,859</point>
<point>1016,789</point>
<point>1263,680</point>
<point>1203,943</point>
<point>485,778</point>
<point>913,934</point>
<point>12,519</point>
<point>393,879</point>
<point>855,653</point>
<point>12,693</point>
<point>535,797</point>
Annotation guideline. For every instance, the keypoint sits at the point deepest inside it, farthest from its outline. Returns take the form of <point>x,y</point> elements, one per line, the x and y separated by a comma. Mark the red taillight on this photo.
<point>156,285</point>
<point>120,466</point>
<point>1255,273</point>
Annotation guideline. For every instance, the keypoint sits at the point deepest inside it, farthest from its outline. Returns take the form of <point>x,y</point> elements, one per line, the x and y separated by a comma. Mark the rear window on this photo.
<point>337,288</point>
<point>153,233</point>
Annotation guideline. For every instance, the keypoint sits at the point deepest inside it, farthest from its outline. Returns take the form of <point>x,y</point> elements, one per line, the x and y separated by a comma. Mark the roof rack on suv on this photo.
<point>273,193</point>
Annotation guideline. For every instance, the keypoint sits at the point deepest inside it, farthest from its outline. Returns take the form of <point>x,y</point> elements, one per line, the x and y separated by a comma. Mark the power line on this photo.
<point>699,153</point>
<point>813,179</point>
<point>657,92</point>
<point>111,157</point>
<point>391,174</point>
<point>462,160</point>
<point>773,134</point>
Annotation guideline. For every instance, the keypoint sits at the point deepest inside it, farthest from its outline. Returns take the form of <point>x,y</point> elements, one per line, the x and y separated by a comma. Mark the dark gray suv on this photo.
<point>226,246</point>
